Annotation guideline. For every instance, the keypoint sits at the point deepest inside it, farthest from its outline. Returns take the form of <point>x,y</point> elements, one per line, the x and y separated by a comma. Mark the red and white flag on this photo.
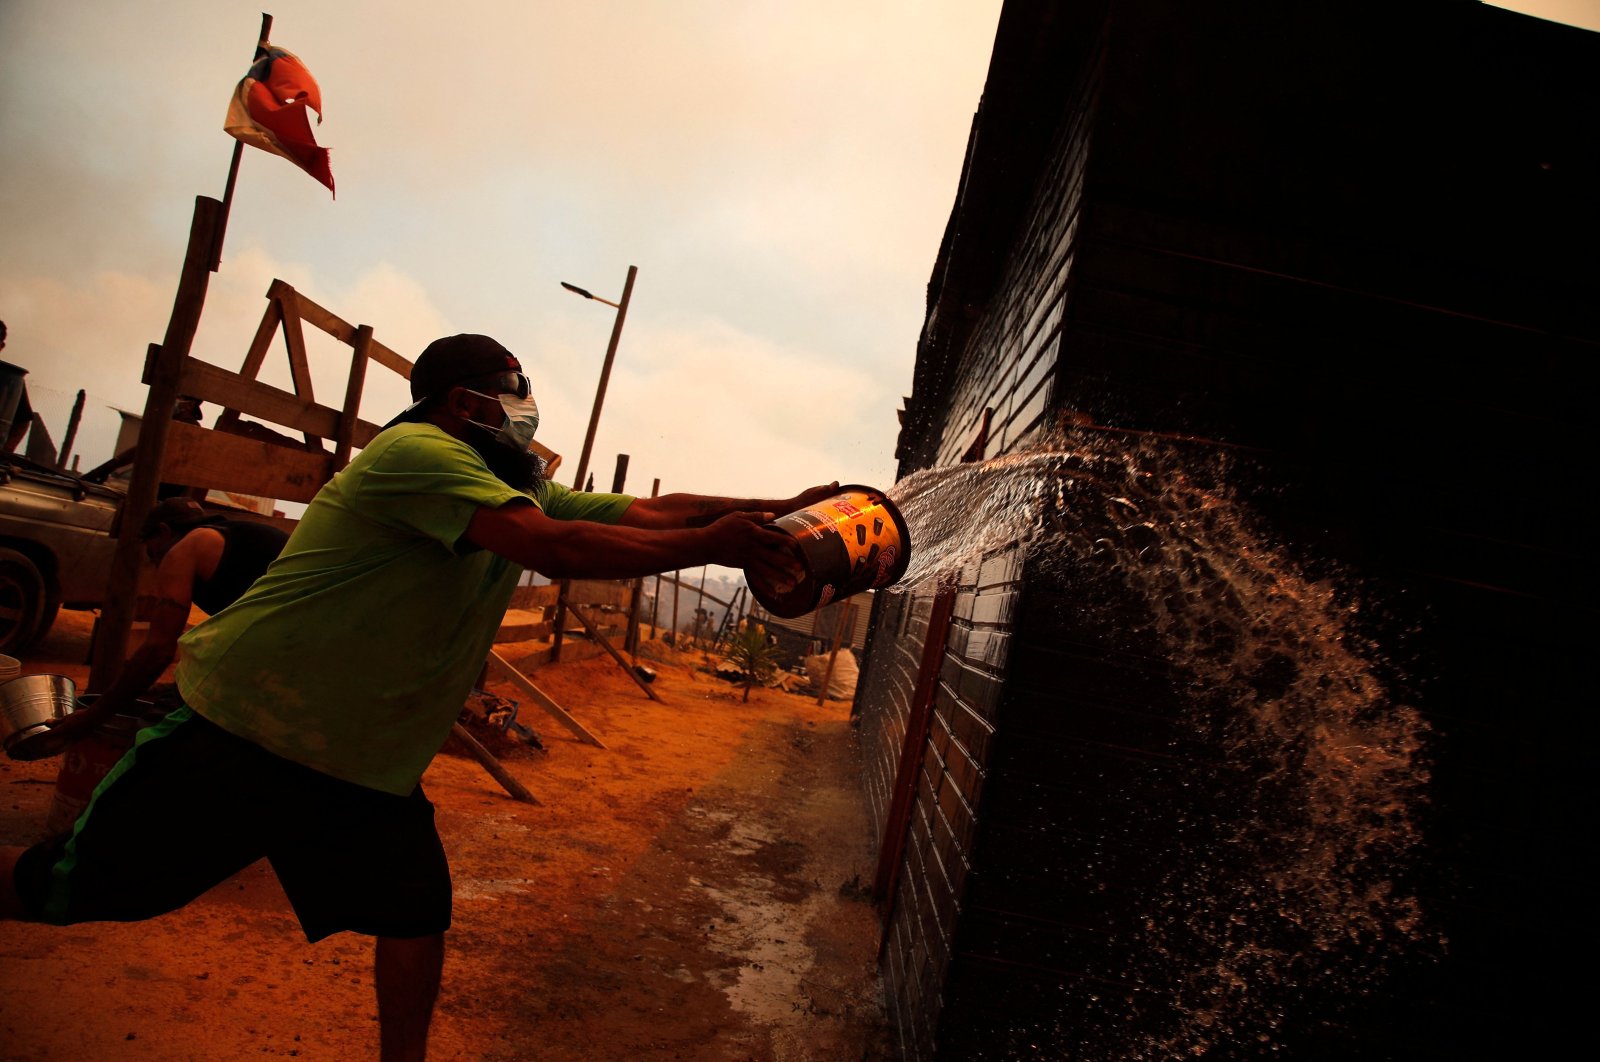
<point>268,111</point>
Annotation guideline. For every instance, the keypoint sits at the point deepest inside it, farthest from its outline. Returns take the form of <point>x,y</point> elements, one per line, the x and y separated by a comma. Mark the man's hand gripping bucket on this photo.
<point>853,541</point>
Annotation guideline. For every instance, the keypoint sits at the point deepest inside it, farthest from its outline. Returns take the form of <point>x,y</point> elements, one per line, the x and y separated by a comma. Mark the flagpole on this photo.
<point>238,152</point>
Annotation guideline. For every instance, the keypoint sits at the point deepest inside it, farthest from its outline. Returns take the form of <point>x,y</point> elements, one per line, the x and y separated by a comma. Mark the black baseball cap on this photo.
<point>454,360</point>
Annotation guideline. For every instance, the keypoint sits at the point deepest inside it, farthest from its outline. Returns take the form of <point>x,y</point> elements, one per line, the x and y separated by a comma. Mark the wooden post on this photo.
<point>238,154</point>
<point>344,442</point>
<point>655,611</point>
<point>700,605</point>
<point>560,620</point>
<point>729,627</point>
<point>605,377</point>
<point>111,637</point>
<point>72,430</point>
<point>637,602</point>
<point>676,586</point>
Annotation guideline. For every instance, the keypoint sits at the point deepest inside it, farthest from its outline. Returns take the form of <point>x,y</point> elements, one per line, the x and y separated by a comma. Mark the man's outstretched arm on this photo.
<point>699,510</point>
<point>580,549</point>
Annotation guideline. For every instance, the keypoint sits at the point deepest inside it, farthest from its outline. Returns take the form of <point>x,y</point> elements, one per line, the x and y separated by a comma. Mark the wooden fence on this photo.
<point>526,638</point>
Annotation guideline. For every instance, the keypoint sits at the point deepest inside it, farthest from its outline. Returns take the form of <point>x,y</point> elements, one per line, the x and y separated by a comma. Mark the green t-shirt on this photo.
<point>354,653</point>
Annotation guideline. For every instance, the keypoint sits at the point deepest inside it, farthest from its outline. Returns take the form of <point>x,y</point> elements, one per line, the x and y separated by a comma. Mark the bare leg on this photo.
<point>407,971</point>
<point>10,902</point>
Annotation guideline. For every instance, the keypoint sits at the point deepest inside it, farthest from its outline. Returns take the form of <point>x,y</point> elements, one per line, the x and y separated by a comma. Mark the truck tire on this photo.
<point>49,610</point>
<point>22,596</point>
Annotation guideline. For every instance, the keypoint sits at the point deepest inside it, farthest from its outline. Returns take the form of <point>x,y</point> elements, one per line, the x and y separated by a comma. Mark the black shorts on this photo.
<point>192,804</point>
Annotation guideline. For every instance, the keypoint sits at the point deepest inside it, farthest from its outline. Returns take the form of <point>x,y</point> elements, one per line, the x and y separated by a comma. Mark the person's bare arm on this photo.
<point>699,510</point>
<point>194,557</point>
<point>568,549</point>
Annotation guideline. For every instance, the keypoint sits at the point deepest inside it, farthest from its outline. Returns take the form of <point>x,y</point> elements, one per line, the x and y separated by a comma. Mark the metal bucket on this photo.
<point>28,705</point>
<point>853,541</point>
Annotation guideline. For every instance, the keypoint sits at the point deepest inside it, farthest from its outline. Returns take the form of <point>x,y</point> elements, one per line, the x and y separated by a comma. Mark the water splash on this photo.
<point>958,514</point>
<point>1288,878</point>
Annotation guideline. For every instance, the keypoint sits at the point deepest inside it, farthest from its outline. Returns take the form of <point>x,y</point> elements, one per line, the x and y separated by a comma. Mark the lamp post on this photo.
<point>605,369</point>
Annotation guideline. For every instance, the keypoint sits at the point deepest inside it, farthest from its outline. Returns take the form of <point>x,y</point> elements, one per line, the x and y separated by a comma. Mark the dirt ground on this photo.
<point>693,891</point>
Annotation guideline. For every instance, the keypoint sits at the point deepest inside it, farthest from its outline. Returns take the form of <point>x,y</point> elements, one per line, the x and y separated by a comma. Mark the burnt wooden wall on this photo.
<point>1361,242</point>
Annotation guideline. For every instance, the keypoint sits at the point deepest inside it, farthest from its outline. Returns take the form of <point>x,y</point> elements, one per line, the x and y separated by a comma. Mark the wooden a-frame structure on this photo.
<point>227,457</point>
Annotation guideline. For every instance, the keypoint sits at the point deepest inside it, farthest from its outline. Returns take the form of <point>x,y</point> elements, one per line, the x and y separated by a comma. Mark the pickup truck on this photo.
<point>57,542</point>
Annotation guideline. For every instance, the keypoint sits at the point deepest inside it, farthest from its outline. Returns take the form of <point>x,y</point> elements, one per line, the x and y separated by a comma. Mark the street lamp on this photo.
<point>605,369</point>
<point>586,293</point>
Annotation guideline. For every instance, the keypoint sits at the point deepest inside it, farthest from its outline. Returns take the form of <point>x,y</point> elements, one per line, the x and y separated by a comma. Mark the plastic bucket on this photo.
<point>853,541</point>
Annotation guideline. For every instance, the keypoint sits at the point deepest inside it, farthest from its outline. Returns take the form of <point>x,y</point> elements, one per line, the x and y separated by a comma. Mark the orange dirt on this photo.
<point>692,891</point>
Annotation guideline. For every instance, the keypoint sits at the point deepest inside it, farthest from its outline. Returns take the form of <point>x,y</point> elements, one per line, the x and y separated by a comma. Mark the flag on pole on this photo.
<point>268,111</point>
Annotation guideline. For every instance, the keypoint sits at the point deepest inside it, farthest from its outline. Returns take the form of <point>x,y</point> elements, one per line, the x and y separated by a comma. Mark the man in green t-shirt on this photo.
<point>313,703</point>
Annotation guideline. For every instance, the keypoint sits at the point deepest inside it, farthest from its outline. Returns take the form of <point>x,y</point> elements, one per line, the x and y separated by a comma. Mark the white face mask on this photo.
<point>521,421</point>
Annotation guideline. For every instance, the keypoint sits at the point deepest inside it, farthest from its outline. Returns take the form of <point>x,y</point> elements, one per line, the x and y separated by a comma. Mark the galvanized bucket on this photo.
<point>28,705</point>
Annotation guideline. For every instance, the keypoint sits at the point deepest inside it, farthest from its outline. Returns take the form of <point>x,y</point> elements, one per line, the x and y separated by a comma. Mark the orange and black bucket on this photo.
<point>853,541</point>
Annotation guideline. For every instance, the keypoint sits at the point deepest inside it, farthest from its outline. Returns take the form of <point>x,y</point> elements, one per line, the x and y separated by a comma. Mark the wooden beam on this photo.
<point>913,749</point>
<point>204,457</point>
<point>533,661</point>
<point>112,634</point>
<point>521,681</point>
<point>349,420</point>
<point>390,360</point>
<point>327,321</point>
<point>534,596</point>
<point>516,628</point>
<point>294,338</point>
<point>598,592</point>
<point>496,769</point>
<point>345,332</point>
<point>299,365</point>
<point>271,321</point>
<point>256,356</point>
<point>605,643</point>
<point>635,600</point>
<point>210,383</point>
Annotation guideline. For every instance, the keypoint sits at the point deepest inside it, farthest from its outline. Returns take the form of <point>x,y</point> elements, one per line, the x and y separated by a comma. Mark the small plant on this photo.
<point>753,652</point>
